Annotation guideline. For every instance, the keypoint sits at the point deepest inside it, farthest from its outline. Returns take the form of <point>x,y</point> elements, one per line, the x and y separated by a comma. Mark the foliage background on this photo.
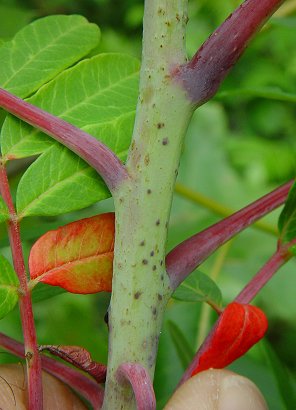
<point>238,147</point>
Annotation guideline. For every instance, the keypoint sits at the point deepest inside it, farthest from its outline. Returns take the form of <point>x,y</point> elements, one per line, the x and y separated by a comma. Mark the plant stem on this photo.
<point>188,255</point>
<point>82,384</point>
<point>30,340</point>
<point>94,152</point>
<point>218,208</point>
<point>140,288</point>
<point>278,259</point>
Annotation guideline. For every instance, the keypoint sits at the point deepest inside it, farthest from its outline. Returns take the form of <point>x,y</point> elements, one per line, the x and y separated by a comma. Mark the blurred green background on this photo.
<point>239,146</point>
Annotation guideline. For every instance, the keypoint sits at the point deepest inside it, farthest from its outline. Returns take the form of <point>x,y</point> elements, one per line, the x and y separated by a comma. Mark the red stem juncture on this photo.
<point>35,396</point>
<point>203,74</point>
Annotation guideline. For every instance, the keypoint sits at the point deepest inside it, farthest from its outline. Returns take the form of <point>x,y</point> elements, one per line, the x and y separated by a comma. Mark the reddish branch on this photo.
<point>204,73</point>
<point>25,302</point>
<point>188,255</point>
<point>141,383</point>
<point>83,385</point>
<point>278,259</point>
<point>95,153</point>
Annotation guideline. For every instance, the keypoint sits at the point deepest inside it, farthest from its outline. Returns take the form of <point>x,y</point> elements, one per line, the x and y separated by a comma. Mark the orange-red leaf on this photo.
<point>78,256</point>
<point>237,330</point>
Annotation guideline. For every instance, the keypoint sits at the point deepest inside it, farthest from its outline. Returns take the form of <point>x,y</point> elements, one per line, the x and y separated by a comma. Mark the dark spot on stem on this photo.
<point>159,297</point>
<point>154,311</point>
<point>160,125</point>
<point>151,361</point>
<point>147,159</point>
<point>137,294</point>
<point>152,253</point>
<point>142,243</point>
<point>145,262</point>
<point>157,222</point>
<point>165,141</point>
<point>162,277</point>
<point>149,191</point>
<point>29,356</point>
<point>154,267</point>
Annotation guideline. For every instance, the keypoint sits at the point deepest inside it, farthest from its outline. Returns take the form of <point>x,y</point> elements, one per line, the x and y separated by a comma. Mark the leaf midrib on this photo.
<point>73,262</point>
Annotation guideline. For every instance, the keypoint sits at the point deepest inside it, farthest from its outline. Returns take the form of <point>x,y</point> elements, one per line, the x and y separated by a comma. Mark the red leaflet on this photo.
<point>80,358</point>
<point>78,256</point>
<point>238,328</point>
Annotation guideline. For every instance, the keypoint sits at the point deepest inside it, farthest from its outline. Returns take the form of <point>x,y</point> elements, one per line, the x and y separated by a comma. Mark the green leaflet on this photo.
<point>97,95</point>
<point>198,287</point>
<point>42,49</point>
<point>287,219</point>
<point>58,182</point>
<point>4,213</point>
<point>8,287</point>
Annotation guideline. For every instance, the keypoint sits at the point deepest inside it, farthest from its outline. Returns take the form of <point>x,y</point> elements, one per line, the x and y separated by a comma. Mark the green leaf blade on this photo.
<point>44,48</point>
<point>199,287</point>
<point>8,287</point>
<point>58,182</point>
<point>4,213</point>
<point>287,218</point>
<point>92,95</point>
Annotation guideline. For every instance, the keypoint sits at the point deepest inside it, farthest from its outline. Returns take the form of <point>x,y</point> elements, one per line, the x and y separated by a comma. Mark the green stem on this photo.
<point>140,288</point>
<point>218,208</point>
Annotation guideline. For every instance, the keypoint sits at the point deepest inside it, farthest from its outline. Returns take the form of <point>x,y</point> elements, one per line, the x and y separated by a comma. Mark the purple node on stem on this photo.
<point>203,74</point>
<point>140,381</point>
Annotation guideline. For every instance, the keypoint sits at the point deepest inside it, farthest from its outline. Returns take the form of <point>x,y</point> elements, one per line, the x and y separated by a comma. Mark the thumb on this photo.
<point>217,390</point>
